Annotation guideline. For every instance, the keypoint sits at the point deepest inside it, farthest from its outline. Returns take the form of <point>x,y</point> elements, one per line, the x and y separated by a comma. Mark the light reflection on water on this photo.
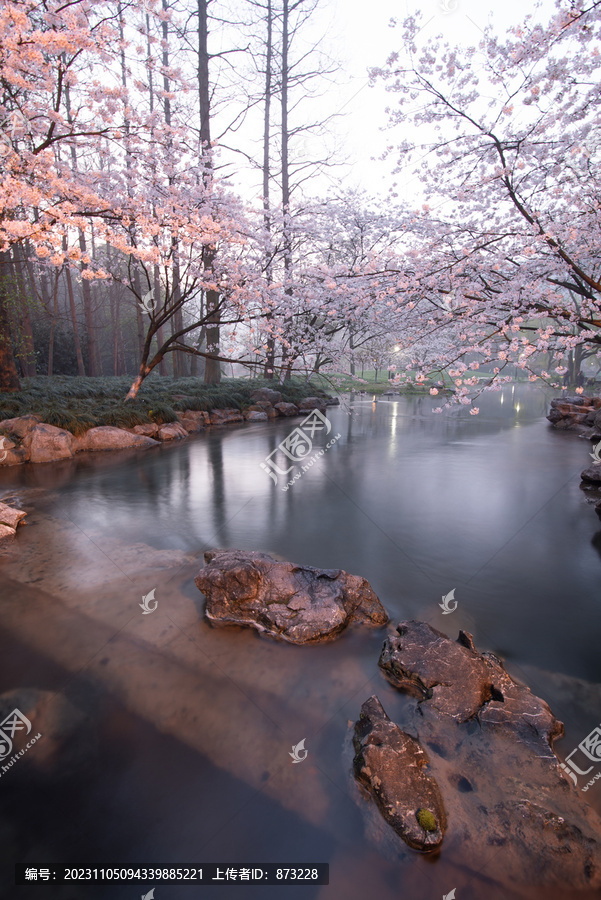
<point>418,504</point>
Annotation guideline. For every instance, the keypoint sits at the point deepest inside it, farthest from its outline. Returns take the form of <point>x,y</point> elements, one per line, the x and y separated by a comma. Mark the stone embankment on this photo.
<point>28,439</point>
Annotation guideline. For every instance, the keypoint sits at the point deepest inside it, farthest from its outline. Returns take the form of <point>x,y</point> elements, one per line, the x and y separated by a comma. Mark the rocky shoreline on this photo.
<point>28,439</point>
<point>470,767</point>
<point>582,415</point>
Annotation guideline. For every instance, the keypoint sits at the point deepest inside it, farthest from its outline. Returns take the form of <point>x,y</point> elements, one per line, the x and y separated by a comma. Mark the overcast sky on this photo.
<point>357,32</point>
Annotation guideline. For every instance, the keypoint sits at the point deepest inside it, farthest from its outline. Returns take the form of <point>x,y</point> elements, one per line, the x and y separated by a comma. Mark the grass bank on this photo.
<point>77,403</point>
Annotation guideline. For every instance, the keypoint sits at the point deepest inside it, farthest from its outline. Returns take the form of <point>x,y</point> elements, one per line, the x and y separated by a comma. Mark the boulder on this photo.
<point>19,426</point>
<point>571,400</point>
<point>297,603</point>
<point>13,456</point>
<point>225,416</point>
<point>286,409</point>
<point>255,415</point>
<point>310,403</point>
<point>106,437</point>
<point>194,420</point>
<point>172,431</point>
<point>395,768</point>
<point>149,430</point>
<point>268,394</point>
<point>46,443</point>
<point>573,412</point>
<point>511,810</point>
<point>266,407</point>
<point>461,683</point>
<point>592,473</point>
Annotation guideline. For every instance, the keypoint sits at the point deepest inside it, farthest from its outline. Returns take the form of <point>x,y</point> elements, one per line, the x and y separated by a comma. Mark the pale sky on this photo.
<point>357,33</point>
<point>361,36</point>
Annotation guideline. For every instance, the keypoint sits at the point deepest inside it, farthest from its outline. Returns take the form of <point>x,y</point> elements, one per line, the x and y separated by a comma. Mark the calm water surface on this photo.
<point>193,724</point>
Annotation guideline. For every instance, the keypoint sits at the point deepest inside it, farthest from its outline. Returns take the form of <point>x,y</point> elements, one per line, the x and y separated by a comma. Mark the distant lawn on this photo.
<point>77,403</point>
<point>368,383</point>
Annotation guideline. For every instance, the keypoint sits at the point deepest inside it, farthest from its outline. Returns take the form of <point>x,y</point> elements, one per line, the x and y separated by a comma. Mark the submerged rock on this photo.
<point>9,519</point>
<point>511,810</point>
<point>297,603</point>
<point>395,769</point>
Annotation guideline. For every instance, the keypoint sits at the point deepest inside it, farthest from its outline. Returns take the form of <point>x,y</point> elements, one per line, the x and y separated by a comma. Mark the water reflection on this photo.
<point>415,502</point>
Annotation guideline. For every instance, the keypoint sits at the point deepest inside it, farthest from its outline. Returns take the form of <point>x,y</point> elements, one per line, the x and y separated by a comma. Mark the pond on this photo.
<point>193,724</point>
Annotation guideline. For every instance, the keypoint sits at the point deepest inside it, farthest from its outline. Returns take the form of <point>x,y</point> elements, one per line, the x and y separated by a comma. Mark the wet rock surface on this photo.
<point>9,520</point>
<point>297,603</point>
<point>395,769</point>
<point>574,413</point>
<point>511,811</point>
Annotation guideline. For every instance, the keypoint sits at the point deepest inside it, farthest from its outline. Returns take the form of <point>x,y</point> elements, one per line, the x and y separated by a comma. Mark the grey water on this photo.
<point>194,724</point>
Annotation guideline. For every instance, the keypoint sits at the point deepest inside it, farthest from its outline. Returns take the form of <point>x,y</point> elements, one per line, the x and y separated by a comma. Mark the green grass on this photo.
<point>77,403</point>
<point>343,382</point>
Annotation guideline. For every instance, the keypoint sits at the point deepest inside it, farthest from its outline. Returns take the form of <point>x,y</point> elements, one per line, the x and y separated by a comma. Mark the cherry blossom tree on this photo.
<point>506,245</point>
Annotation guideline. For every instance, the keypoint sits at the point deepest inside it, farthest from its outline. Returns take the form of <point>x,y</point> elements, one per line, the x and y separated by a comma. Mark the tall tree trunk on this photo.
<point>53,319</point>
<point>212,366</point>
<point>179,358</point>
<point>28,352</point>
<point>156,274</point>
<point>287,236</point>
<point>9,376</point>
<point>80,366</point>
<point>270,356</point>
<point>93,361</point>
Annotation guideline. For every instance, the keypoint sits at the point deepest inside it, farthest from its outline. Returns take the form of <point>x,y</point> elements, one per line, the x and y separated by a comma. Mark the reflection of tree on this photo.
<point>215,456</point>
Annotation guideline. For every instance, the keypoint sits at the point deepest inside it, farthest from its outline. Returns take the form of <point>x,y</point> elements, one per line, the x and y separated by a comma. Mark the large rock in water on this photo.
<point>9,519</point>
<point>592,473</point>
<point>394,767</point>
<point>511,811</point>
<point>297,603</point>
